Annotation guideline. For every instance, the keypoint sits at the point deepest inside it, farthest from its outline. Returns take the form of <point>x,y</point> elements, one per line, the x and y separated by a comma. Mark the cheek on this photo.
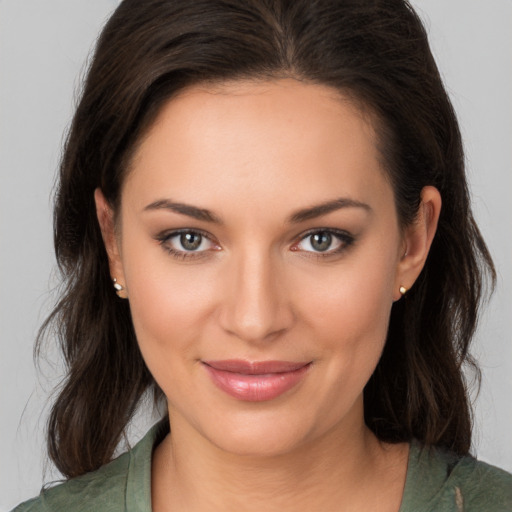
<point>170,311</point>
<point>348,315</point>
<point>169,303</point>
<point>351,301</point>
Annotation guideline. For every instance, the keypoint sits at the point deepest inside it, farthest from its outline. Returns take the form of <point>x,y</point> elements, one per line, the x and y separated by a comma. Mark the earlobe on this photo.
<point>418,239</point>
<point>106,222</point>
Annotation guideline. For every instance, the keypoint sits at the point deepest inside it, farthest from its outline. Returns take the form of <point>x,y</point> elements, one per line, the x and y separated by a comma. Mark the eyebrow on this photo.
<point>324,208</point>
<point>184,209</point>
<point>299,216</point>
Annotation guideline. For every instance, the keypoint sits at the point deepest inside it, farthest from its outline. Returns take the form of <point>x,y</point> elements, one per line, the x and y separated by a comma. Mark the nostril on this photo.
<point>256,321</point>
<point>254,306</point>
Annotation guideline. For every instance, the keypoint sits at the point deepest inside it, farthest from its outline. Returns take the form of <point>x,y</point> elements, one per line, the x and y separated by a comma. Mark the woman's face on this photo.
<point>261,253</point>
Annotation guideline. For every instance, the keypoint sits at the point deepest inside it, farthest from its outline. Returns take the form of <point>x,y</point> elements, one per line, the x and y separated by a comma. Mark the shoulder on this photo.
<point>482,486</point>
<point>100,491</point>
<point>439,480</point>
<point>123,484</point>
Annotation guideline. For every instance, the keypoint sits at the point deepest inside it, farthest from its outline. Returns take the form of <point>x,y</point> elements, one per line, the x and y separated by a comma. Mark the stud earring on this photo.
<point>120,291</point>
<point>403,290</point>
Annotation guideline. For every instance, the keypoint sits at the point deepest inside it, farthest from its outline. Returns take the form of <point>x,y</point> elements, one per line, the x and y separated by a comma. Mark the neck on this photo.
<point>336,470</point>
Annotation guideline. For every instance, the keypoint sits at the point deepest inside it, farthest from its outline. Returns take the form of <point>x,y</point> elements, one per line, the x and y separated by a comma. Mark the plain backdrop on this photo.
<point>43,47</point>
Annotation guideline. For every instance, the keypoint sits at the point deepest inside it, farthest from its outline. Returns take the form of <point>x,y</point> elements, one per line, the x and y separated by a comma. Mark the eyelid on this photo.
<point>345,238</point>
<point>164,237</point>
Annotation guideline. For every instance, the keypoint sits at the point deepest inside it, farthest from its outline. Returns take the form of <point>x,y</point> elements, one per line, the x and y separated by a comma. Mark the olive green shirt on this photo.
<point>437,481</point>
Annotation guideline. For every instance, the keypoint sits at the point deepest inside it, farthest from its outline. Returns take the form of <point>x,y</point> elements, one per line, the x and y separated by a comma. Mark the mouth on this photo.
<point>256,381</point>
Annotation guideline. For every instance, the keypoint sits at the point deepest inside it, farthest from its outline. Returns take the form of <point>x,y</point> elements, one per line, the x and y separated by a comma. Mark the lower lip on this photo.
<point>256,388</point>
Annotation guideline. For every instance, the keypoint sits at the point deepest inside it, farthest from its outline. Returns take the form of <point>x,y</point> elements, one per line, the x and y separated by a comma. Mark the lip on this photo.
<point>255,381</point>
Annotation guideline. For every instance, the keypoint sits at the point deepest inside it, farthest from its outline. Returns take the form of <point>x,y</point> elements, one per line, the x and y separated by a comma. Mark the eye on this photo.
<point>324,242</point>
<point>187,243</point>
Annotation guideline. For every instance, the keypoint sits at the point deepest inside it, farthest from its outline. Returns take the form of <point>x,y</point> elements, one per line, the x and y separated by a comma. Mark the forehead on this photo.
<point>270,138</point>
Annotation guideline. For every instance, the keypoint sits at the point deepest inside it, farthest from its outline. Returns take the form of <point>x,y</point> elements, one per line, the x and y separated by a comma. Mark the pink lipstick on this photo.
<point>255,381</point>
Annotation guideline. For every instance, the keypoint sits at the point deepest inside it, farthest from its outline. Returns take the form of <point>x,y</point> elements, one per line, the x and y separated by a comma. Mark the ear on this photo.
<point>105,216</point>
<point>417,240</point>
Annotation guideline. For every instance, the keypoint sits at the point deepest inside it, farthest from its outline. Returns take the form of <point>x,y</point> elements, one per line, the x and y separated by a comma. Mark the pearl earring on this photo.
<point>120,291</point>
<point>403,290</point>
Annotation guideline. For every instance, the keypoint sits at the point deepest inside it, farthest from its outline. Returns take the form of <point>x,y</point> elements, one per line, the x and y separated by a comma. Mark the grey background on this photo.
<point>43,47</point>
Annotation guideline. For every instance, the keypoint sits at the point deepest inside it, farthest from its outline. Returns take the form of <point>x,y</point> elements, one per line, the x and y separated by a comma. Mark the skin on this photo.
<point>254,154</point>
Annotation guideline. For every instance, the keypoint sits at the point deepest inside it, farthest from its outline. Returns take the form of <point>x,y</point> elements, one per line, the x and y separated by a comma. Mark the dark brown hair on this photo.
<point>374,50</point>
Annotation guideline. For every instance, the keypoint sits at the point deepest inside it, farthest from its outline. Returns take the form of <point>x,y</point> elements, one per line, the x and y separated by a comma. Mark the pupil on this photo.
<point>321,241</point>
<point>190,241</point>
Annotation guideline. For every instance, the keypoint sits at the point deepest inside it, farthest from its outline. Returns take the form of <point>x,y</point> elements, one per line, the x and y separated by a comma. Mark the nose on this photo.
<point>256,307</point>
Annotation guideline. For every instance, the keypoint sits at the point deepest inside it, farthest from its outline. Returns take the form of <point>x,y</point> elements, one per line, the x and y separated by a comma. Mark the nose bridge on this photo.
<point>256,307</point>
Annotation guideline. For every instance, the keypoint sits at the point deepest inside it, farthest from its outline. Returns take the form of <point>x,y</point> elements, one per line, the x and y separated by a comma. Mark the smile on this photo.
<point>255,381</point>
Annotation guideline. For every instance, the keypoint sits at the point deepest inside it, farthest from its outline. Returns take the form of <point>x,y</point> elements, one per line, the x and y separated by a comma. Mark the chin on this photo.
<point>263,432</point>
<point>259,440</point>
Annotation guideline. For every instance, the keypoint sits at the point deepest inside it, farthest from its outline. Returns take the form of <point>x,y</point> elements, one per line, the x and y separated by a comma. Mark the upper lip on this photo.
<point>255,367</point>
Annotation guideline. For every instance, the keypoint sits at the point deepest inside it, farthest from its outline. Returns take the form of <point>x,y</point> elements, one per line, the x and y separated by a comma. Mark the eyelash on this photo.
<point>165,238</point>
<point>345,239</point>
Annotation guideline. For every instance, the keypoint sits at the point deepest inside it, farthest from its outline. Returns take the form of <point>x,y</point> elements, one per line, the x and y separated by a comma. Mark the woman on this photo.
<point>263,217</point>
